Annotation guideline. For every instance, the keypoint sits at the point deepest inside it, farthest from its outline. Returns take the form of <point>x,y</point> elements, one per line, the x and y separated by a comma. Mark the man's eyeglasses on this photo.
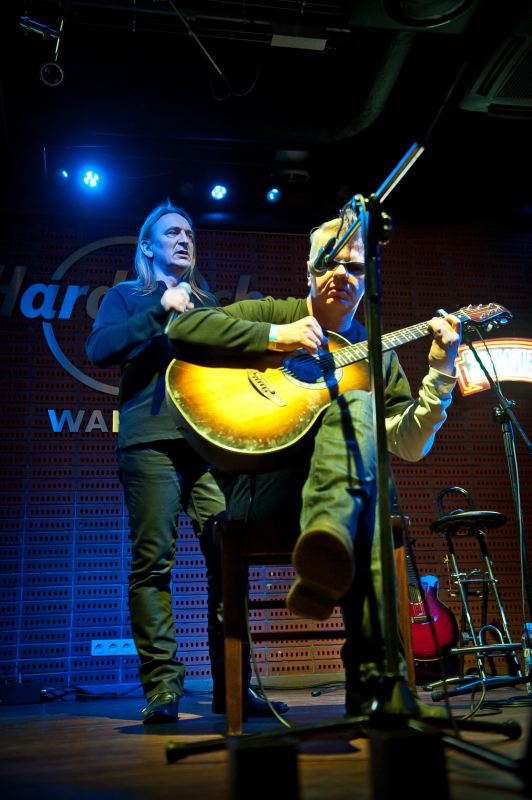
<point>351,267</point>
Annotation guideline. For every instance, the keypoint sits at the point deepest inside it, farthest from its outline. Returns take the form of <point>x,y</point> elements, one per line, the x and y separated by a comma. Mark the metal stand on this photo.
<point>394,715</point>
<point>505,416</point>
<point>249,754</point>
<point>468,523</point>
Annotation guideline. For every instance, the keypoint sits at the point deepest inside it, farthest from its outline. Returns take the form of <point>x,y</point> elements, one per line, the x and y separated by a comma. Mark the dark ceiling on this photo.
<point>141,103</point>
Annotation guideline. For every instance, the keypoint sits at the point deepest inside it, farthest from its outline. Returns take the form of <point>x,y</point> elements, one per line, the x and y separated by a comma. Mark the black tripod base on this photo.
<point>259,765</point>
<point>405,762</point>
<point>407,752</point>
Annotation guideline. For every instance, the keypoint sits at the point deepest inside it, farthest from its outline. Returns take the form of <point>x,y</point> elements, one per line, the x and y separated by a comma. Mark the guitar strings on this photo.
<point>324,359</point>
<point>421,328</point>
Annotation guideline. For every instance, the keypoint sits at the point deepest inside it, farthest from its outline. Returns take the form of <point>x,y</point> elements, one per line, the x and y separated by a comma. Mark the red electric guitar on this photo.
<point>426,608</point>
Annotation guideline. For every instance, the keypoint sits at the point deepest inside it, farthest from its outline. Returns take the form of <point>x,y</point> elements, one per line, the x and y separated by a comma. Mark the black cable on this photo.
<point>231,90</point>
<point>85,694</point>
<point>516,701</point>
<point>306,687</point>
<point>478,332</point>
<point>257,673</point>
<point>192,34</point>
<point>212,87</point>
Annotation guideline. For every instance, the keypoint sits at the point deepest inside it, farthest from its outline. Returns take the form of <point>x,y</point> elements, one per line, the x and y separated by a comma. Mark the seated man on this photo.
<point>333,488</point>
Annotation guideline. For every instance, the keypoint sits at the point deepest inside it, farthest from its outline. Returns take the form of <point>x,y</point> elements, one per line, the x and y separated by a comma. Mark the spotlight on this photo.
<point>219,192</point>
<point>51,74</point>
<point>274,195</point>
<point>91,179</point>
<point>64,173</point>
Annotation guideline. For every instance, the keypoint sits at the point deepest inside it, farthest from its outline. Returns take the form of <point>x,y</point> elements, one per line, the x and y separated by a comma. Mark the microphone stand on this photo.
<point>394,723</point>
<point>319,265</point>
<point>392,692</point>
<point>504,415</point>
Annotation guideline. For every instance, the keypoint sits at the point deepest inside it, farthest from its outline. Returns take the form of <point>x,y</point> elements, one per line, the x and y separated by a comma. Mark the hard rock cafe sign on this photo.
<point>39,301</point>
<point>507,359</point>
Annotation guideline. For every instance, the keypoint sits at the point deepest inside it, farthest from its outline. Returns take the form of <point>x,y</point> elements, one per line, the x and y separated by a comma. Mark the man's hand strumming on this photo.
<point>305,334</point>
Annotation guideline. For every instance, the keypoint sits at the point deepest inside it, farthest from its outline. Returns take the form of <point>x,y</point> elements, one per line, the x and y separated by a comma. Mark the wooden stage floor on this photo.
<point>100,750</point>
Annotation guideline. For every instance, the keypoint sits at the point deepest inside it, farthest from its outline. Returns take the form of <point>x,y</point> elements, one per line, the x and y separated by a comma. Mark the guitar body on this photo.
<point>225,412</point>
<point>443,620</point>
<point>251,413</point>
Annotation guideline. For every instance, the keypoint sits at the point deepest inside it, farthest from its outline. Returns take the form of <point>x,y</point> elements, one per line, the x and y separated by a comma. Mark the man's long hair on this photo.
<point>146,281</point>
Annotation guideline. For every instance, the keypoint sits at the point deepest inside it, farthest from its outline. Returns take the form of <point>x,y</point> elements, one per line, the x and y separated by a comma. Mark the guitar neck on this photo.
<point>358,352</point>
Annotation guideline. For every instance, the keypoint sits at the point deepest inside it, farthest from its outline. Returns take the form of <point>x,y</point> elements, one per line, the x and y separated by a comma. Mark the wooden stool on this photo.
<point>245,544</point>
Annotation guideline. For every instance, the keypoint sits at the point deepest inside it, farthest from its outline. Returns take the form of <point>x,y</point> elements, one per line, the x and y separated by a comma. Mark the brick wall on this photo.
<point>64,534</point>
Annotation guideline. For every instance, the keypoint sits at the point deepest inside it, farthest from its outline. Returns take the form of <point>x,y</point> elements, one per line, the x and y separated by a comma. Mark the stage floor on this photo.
<point>100,750</point>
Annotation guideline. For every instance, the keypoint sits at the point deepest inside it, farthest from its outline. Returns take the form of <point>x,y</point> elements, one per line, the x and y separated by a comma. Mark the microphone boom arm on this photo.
<point>320,264</point>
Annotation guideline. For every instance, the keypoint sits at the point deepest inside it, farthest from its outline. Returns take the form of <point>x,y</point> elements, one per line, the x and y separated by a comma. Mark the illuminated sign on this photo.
<point>39,300</point>
<point>512,359</point>
<point>46,295</point>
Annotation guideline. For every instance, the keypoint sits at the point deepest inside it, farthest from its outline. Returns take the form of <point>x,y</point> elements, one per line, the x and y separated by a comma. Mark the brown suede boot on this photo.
<point>323,560</point>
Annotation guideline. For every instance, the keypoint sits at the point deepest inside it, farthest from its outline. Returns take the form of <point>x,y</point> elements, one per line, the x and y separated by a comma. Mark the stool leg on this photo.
<point>498,601</point>
<point>404,613</point>
<point>235,586</point>
<point>465,605</point>
<point>405,628</point>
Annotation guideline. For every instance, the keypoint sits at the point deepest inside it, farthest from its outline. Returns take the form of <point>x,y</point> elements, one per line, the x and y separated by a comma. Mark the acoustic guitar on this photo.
<point>251,414</point>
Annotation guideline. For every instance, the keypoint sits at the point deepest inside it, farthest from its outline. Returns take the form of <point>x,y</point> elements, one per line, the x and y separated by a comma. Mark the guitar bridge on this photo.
<point>259,382</point>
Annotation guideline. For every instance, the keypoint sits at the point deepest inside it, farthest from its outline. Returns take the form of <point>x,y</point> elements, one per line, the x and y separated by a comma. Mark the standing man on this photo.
<point>158,469</point>
<point>331,491</point>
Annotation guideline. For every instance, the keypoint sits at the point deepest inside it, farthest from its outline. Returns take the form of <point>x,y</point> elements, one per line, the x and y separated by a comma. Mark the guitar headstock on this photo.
<point>489,315</point>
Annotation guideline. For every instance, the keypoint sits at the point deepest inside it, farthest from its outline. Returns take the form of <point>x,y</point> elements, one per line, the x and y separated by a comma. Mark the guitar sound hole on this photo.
<point>311,372</point>
<point>308,370</point>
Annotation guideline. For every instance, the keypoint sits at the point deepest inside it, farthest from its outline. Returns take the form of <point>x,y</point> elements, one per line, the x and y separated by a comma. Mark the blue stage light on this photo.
<point>274,195</point>
<point>91,179</point>
<point>219,192</point>
<point>64,173</point>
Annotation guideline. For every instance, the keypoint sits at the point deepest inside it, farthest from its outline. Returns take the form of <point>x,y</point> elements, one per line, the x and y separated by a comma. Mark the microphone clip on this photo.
<point>318,266</point>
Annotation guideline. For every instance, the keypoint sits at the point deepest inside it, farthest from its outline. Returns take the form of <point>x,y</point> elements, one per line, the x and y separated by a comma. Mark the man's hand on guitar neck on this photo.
<point>305,334</point>
<point>447,337</point>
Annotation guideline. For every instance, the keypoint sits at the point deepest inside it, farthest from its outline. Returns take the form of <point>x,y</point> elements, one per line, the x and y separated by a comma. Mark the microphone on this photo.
<point>185,287</point>
<point>316,266</point>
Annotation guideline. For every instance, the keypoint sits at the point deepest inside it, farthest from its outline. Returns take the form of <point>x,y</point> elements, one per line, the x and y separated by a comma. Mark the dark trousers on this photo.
<point>333,487</point>
<point>158,478</point>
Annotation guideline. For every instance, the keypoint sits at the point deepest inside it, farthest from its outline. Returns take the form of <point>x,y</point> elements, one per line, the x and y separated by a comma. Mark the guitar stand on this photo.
<point>453,526</point>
